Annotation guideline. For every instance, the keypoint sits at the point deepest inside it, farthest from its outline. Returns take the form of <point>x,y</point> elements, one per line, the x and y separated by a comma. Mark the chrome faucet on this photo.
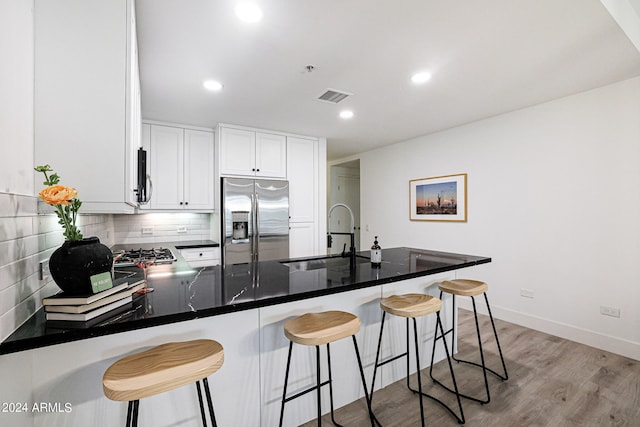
<point>352,234</point>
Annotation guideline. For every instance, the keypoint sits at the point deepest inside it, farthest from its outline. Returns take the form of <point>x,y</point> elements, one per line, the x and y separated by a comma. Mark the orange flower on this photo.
<point>58,195</point>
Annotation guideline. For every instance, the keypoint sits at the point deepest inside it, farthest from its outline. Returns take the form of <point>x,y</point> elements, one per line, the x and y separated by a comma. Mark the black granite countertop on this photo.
<point>184,293</point>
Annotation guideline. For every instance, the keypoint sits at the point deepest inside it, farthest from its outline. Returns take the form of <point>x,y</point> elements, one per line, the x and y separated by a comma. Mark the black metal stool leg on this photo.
<point>319,400</point>
<point>333,418</point>
<point>375,365</point>
<point>495,333</point>
<point>460,418</point>
<point>286,379</point>
<point>484,365</point>
<point>367,397</point>
<point>407,353</point>
<point>204,418</point>
<point>134,420</point>
<point>209,403</point>
<point>129,410</point>
<point>418,373</point>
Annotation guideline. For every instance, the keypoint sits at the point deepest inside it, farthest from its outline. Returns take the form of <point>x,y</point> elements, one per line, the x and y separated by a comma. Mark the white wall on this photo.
<point>553,198</point>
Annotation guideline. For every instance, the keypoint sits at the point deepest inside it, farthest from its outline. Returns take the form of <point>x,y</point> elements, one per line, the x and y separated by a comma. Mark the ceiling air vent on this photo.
<point>333,96</point>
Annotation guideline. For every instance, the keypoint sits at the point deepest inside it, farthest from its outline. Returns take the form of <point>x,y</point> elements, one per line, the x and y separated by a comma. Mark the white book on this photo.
<point>83,308</point>
<point>83,317</point>
<point>62,299</point>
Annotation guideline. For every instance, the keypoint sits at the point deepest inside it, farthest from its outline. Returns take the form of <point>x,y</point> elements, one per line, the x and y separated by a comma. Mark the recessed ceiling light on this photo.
<point>346,114</point>
<point>212,85</point>
<point>421,77</point>
<point>248,12</point>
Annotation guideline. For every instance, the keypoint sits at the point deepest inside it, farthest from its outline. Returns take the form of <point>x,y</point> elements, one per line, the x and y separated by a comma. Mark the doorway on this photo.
<point>344,187</point>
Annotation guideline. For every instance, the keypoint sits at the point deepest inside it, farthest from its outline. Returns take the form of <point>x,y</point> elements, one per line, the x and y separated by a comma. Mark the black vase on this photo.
<point>73,264</point>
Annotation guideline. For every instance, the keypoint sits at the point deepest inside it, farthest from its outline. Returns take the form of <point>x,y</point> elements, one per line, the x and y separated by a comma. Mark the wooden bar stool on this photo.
<point>316,329</point>
<point>163,368</point>
<point>411,306</point>
<point>472,288</point>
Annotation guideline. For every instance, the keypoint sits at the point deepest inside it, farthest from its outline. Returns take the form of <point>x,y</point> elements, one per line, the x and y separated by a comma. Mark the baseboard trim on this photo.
<point>570,332</point>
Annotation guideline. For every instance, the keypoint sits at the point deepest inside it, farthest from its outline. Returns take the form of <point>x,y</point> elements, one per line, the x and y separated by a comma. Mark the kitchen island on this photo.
<point>244,307</point>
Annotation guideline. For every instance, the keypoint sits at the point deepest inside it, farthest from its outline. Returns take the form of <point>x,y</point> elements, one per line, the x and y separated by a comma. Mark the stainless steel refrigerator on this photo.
<point>255,220</point>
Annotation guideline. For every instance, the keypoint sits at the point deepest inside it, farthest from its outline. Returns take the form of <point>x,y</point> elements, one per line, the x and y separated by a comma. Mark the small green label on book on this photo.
<point>101,282</point>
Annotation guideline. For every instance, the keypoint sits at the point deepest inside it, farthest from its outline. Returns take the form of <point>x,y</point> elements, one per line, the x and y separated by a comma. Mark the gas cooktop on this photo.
<point>131,257</point>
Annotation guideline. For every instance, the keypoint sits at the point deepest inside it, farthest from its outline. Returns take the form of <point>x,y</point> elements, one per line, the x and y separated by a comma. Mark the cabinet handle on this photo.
<point>253,169</point>
<point>258,170</point>
<point>180,203</point>
<point>200,254</point>
<point>186,203</point>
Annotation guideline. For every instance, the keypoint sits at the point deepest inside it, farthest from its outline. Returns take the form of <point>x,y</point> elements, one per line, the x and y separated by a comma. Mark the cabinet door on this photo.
<point>302,176</point>
<point>80,99</point>
<point>302,239</point>
<point>166,167</point>
<point>271,155</point>
<point>237,152</point>
<point>198,169</point>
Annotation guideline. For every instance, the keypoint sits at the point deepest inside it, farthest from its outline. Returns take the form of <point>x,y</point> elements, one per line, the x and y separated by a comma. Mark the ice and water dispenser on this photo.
<point>240,224</point>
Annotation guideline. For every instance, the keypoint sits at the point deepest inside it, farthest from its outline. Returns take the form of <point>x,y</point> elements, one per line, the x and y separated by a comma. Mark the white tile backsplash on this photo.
<point>128,228</point>
<point>27,238</point>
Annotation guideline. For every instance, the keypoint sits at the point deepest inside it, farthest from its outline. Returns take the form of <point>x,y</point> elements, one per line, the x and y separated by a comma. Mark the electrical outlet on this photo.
<point>147,230</point>
<point>610,311</point>
<point>527,293</point>
<point>43,273</point>
<point>182,229</point>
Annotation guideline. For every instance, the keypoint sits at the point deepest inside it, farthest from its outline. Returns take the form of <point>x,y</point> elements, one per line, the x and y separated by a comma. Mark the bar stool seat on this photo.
<point>412,306</point>
<point>316,329</point>
<point>473,288</point>
<point>464,287</point>
<point>163,368</point>
<point>321,328</point>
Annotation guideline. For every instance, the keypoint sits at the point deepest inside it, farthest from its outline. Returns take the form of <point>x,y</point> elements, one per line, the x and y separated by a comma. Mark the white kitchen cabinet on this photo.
<point>271,155</point>
<point>250,153</point>
<point>201,257</point>
<point>303,180</point>
<point>306,172</point>
<point>302,239</point>
<point>87,99</point>
<point>181,168</point>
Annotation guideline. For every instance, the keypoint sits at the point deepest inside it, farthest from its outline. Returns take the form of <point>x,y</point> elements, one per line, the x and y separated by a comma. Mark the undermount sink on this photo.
<point>335,262</point>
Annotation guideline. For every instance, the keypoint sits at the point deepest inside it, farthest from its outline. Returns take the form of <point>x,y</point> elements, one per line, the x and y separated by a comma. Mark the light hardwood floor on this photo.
<point>552,382</point>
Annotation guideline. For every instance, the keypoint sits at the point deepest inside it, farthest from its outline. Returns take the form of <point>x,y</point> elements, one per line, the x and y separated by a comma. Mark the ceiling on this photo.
<point>486,57</point>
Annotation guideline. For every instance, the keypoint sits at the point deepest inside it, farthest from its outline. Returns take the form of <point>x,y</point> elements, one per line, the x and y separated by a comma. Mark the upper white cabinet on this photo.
<point>252,153</point>
<point>181,168</point>
<point>87,99</point>
<point>303,179</point>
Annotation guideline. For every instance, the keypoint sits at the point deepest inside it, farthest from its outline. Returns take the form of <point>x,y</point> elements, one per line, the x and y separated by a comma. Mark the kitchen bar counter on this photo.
<point>183,293</point>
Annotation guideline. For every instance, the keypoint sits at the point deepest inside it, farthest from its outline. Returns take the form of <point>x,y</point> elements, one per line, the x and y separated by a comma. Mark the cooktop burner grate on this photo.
<point>129,257</point>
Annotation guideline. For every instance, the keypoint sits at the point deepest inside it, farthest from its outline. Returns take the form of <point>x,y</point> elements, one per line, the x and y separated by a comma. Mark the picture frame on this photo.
<point>440,198</point>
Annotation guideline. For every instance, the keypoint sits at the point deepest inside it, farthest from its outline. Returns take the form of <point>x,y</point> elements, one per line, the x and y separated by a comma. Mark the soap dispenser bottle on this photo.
<point>376,254</point>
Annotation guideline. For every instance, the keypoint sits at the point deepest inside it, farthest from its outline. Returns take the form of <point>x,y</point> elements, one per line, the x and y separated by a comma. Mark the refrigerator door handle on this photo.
<point>257,232</point>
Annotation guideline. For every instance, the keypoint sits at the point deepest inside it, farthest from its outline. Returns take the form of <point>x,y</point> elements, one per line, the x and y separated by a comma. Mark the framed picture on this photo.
<point>441,198</point>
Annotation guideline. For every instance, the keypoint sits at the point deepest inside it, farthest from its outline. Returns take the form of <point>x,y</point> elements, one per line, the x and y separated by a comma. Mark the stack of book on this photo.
<point>82,311</point>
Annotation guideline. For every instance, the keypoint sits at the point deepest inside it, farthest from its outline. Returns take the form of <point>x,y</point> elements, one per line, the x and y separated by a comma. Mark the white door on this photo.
<point>237,152</point>
<point>198,169</point>
<point>166,167</point>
